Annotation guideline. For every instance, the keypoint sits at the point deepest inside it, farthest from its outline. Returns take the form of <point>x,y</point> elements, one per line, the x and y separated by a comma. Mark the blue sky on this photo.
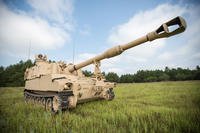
<point>54,27</point>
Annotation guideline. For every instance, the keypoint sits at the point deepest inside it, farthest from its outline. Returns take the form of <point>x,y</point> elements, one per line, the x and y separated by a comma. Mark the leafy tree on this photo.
<point>163,77</point>
<point>112,77</point>
<point>13,75</point>
<point>127,78</point>
<point>151,79</point>
<point>197,73</point>
<point>2,80</point>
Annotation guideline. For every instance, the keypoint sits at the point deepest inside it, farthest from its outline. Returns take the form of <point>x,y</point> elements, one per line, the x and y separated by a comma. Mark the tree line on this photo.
<point>13,75</point>
<point>173,74</point>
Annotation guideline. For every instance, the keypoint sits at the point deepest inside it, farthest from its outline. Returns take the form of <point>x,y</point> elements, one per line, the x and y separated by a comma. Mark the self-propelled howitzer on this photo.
<point>58,85</point>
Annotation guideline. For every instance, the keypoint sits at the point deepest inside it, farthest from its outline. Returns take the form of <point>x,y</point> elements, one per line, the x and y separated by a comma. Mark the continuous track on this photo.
<point>53,102</point>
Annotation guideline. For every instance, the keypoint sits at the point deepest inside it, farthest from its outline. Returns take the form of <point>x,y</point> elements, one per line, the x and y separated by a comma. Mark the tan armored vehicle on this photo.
<point>59,86</point>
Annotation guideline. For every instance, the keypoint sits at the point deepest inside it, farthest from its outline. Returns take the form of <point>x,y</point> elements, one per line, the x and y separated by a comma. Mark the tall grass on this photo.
<point>142,107</point>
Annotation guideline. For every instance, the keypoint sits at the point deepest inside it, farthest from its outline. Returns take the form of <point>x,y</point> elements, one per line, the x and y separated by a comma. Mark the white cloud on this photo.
<point>18,29</point>
<point>165,56</point>
<point>58,11</point>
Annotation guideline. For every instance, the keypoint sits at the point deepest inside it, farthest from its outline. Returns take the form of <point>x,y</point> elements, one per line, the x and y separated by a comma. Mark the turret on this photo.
<point>170,28</point>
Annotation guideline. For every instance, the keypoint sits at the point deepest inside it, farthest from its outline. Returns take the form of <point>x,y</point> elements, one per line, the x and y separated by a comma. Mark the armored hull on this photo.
<point>54,87</point>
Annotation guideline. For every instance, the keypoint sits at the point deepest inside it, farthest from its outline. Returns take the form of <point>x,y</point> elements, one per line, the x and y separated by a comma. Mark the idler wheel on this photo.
<point>109,94</point>
<point>72,102</point>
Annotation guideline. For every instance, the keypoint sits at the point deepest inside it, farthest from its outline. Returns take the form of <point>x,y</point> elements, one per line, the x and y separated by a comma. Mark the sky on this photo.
<point>76,30</point>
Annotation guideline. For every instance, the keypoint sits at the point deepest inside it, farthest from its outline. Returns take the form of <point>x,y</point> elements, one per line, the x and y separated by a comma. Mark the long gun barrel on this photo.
<point>163,31</point>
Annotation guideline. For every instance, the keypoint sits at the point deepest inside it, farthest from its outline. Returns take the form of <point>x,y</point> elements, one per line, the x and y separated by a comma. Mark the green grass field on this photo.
<point>141,107</point>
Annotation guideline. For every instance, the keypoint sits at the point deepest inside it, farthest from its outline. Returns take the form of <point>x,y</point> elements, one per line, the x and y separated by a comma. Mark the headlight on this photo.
<point>66,87</point>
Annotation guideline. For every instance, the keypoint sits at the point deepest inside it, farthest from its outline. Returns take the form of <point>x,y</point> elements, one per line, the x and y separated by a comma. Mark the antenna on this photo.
<point>73,50</point>
<point>29,50</point>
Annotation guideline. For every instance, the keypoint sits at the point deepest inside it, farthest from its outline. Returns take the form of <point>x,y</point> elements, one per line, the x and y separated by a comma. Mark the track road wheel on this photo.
<point>43,101</point>
<point>48,104</point>
<point>38,100</point>
<point>56,104</point>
